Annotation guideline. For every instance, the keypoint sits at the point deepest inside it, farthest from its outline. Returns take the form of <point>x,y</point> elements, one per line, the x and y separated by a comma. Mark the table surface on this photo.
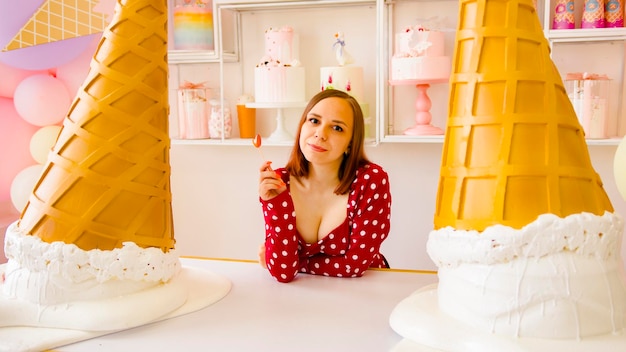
<point>311,313</point>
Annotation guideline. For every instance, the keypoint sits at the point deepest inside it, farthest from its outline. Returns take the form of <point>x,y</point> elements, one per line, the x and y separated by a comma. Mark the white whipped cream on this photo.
<point>51,273</point>
<point>585,234</point>
<point>556,278</point>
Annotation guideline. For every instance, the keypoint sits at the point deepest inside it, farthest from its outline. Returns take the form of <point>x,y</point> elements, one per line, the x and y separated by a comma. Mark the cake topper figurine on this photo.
<point>342,55</point>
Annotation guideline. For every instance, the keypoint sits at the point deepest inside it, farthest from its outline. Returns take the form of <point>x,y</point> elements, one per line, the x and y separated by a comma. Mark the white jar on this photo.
<point>220,121</point>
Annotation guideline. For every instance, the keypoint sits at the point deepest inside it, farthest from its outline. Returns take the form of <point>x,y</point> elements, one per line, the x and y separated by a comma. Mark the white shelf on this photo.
<point>246,142</point>
<point>439,139</point>
<point>586,35</point>
<point>247,5</point>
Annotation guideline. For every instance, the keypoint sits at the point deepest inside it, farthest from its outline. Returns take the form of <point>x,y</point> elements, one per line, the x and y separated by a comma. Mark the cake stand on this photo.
<point>423,104</point>
<point>280,133</point>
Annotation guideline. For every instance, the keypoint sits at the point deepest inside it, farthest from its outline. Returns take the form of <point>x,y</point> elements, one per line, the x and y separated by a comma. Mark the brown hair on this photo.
<point>298,166</point>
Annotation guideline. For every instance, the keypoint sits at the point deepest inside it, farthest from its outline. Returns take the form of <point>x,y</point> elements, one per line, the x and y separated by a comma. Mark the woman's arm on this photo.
<point>281,239</point>
<point>370,216</point>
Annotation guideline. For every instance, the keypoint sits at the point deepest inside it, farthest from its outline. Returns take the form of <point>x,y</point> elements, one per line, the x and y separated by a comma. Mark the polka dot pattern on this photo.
<point>349,249</point>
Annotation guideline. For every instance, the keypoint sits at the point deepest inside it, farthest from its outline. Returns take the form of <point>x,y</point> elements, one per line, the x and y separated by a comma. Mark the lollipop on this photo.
<point>257,141</point>
<point>257,144</point>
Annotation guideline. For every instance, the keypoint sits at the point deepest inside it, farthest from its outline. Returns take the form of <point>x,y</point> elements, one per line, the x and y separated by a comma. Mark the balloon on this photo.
<point>23,184</point>
<point>73,73</point>
<point>11,77</point>
<point>42,100</point>
<point>13,16</point>
<point>619,167</point>
<point>42,142</point>
<point>14,145</point>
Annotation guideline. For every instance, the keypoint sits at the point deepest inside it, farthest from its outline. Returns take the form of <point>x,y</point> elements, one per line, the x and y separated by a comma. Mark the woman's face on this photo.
<point>327,131</point>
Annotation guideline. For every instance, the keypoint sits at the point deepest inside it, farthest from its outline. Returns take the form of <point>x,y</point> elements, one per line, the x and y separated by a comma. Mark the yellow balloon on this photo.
<point>42,142</point>
<point>23,184</point>
<point>619,167</point>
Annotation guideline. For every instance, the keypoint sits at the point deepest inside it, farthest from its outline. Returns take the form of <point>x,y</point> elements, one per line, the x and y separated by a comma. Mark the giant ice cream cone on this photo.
<point>513,148</point>
<point>93,250</point>
<point>525,240</point>
<point>107,179</point>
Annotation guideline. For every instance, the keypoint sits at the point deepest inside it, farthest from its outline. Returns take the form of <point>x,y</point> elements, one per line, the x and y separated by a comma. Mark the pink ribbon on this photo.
<point>191,85</point>
<point>577,76</point>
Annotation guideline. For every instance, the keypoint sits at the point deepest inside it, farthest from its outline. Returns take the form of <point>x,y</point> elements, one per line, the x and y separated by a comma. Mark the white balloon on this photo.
<point>42,142</point>
<point>23,184</point>
<point>619,167</point>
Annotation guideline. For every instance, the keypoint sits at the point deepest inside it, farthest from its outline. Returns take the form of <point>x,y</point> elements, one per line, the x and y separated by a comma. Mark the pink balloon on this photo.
<point>73,73</point>
<point>42,100</point>
<point>11,77</point>
<point>15,136</point>
<point>13,16</point>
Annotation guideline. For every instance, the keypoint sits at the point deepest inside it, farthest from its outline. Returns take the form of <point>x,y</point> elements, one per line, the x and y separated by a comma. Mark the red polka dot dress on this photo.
<point>349,249</point>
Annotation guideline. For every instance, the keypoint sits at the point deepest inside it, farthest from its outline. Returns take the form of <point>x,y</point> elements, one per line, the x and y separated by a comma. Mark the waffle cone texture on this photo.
<point>107,178</point>
<point>513,147</point>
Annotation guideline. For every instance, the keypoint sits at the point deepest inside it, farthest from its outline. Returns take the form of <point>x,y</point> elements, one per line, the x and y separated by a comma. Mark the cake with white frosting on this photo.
<point>279,77</point>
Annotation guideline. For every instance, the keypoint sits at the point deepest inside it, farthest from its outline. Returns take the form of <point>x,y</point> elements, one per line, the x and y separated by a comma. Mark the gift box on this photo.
<point>589,94</point>
<point>193,111</point>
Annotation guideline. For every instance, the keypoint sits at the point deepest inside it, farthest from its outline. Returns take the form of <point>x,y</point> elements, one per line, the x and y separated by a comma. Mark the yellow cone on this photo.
<point>107,179</point>
<point>513,147</point>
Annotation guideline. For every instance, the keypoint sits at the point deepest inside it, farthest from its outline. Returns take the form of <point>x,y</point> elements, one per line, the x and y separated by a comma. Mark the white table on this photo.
<point>311,313</point>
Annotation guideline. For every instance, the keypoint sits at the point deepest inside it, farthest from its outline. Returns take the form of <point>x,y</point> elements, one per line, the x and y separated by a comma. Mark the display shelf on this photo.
<point>394,107</point>
<point>321,19</point>
<point>440,138</point>
<point>605,53</point>
<point>247,142</point>
<point>585,34</point>
<point>404,107</point>
<point>260,5</point>
<point>175,57</point>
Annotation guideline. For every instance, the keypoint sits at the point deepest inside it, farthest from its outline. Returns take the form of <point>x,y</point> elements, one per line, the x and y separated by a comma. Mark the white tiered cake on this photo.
<point>279,77</point>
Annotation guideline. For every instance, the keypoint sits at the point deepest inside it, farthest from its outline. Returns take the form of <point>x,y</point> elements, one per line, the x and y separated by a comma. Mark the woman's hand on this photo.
<point>262,256</point>
<point>270,183</point>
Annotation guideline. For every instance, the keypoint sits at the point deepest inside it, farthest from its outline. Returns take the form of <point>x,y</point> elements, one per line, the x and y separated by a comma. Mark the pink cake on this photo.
<point>193,25</point>
<point>419,55</point>
<point>279,77</point>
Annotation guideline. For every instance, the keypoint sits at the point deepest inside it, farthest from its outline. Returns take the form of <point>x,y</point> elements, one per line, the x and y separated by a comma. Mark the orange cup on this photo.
<point>247,121</point>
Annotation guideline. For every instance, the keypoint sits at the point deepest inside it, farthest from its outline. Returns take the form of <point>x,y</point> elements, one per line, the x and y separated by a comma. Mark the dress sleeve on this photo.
<point>369,213</point>
<point>281,239</point>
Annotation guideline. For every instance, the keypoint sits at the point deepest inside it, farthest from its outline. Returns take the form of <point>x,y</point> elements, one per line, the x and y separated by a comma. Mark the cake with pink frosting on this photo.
<point>419,55</point>
<point>193,25</point>
<point>279,76</point>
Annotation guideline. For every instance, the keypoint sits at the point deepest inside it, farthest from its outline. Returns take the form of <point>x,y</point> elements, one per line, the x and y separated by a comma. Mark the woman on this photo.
<point>328,210</point>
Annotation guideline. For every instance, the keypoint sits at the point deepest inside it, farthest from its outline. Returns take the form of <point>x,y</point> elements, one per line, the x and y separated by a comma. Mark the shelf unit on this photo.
<point>391,111</point>
<point>237,14</point>
<point>399,101</point>
<point>609,45</point>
